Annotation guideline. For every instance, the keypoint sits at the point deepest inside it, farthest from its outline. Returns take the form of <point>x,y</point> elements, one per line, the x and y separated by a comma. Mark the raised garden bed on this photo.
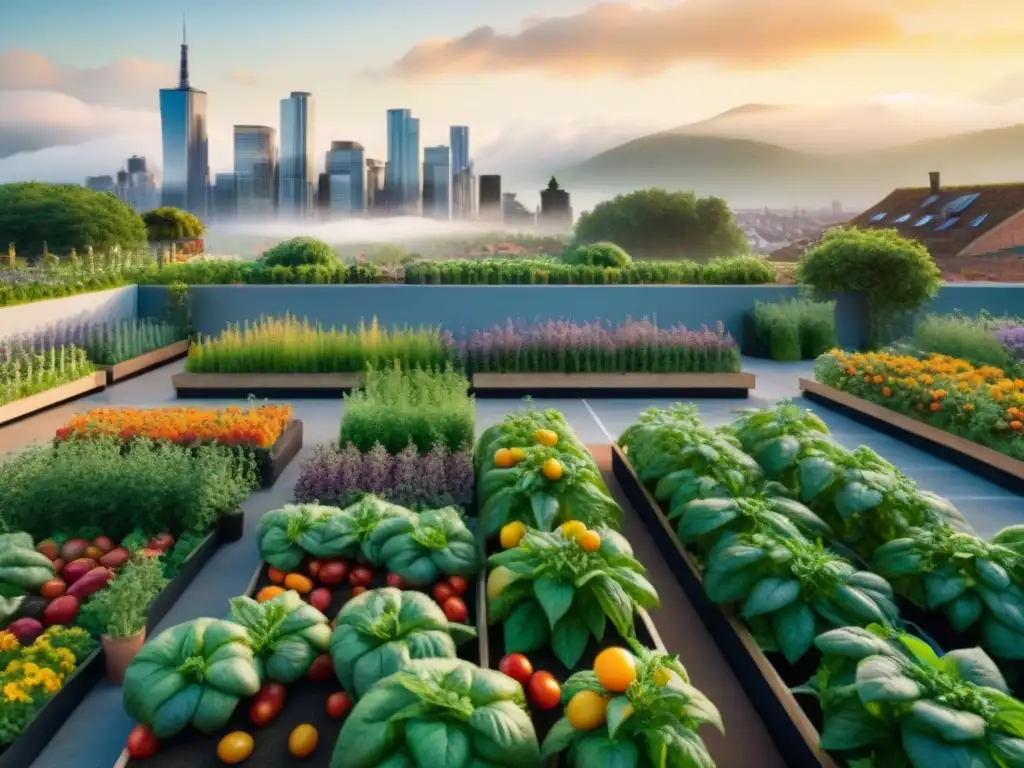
<point>613,384</point>
<point>40,401</point>
<point>278,385</point>
<point>986,462</point>
<point>152,359</point>
<point>793,730</point>
<point>272,463</point>
<point>304,702</point>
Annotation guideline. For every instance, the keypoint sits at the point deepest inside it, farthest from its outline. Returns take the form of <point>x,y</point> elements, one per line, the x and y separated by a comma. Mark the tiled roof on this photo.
<point>905,208</point>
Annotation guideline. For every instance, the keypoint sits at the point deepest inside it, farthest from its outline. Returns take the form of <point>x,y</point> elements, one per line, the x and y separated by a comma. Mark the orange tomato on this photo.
<point>517,454</point>
<point>586,710</point>
<point>303,740</point>
<point>546,437</point>
<point>615,669</point>
<point>269,593</point>
<point>1016,426</point>
<point>551,469</point>
<point>503,458</point>
<point>235,747</point>
<point>298,582</point>
<point>275,576</point>
<point>589,541</point>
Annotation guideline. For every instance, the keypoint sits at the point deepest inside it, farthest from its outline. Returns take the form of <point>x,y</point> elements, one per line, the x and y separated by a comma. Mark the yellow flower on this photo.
<point>13,693</point>
<point>8,642</point>
<point>14,666</point>
<point>30,668</point>
<point>51,686</point>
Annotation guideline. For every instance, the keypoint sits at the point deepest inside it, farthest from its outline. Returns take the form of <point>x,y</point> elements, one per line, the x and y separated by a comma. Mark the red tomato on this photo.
<point>361,576</point>
<point>272,692</point>
<point>142,744</point>
<point>262,712</point>
<point>313,567</point>
<point>455,609</point>
<point>543,690</point>
<point>333,572</point>
<point>458,584</point>
<point>356,591</point>
<point>320,598</point>
<point>396,581</point>
<point>516,666</point>
<point>339,705</point>
<point>442,591</point>
<point>321,669</point>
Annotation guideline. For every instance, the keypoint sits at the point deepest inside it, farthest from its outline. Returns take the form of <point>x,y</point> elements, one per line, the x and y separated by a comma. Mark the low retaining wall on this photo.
<point>58,318</point>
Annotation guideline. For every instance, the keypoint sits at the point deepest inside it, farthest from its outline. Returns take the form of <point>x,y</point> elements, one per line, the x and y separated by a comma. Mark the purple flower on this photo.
<point>1013,339</point>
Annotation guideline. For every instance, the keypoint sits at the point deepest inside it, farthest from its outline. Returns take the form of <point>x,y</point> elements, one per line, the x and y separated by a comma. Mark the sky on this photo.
<point>541,83</point>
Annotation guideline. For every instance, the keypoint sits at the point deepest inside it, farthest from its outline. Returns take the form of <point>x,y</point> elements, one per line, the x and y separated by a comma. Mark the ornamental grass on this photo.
<point>982,404</point>
<point>631,347</point>
<point>27,369</point>
<point>113,343</point>
<point>257,428</point>
<point>288,345</point>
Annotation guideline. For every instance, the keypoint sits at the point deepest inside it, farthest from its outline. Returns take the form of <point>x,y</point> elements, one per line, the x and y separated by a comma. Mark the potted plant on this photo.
<point>119,611</point>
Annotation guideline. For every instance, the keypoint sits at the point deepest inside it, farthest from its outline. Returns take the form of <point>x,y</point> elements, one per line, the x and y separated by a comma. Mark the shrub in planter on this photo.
<point>794,330</point>
<point>596,255</point>
<point>298,251</point>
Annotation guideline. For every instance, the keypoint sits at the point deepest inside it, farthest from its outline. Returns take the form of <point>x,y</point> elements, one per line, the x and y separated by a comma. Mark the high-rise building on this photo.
<point>464,193</point>
<point>323,196</point>
<point>296,172</point>
<point>459,140</point>
<point>345,165</point>
<point>402,175</point>
<point>555,210</point>
<point>490,197</point>
<point>436,182</point>
<point>256,169</point>
<point>375,171</point>
<point>515,213</point>
<point>100,183</point>
<point>225,196</point>
<point>183,122</point>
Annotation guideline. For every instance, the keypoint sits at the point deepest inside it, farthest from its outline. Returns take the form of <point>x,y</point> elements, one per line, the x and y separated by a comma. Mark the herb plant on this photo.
<point>655,441</point>
<point>286,634</point>
<point>121,608</point>
<point>27,370</point>
<point>561,593</point>
<point>112,343</point>
<point>425,547</point>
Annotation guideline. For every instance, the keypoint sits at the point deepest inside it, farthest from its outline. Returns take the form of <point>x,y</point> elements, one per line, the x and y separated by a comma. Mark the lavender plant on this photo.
<point>339,476</point>
<point>1012,338</point>
<point>112,343</point>
<point>629,347</point>
<point>27,370</point>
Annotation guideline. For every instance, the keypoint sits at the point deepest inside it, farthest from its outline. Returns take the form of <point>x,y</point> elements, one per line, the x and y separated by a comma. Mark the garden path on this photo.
<point>95,733</point>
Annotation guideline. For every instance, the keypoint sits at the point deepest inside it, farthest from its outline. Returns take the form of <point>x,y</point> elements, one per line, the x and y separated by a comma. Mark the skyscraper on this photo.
<point>225,196</point>
<point>402,176</point>
<point>555,209</point>
<point>436,182</point>
<point>345,166</point>
<point>374,184</point>
<point>256,169</point>
<point>296,173</point>
<point>459,139</point>
<point>186,148</point>
<point>464,193</point>
<point>490,197</point>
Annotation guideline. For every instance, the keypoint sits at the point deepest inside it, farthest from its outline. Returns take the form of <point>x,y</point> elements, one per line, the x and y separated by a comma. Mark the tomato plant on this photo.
<point>543,690</point>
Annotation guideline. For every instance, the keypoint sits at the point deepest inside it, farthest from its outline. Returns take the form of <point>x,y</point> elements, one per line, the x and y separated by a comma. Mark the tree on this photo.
<point>657,224</point>
<point>300,250</point>
<point>893,272</point>
<point>553,185</point>
<point>596,255</point>
<point>166,223</point>
<point>66,217</point>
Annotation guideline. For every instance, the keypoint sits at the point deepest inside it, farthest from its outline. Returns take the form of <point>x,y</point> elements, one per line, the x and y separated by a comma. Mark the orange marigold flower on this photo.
<point>935,406</point>
<point>886,392</point>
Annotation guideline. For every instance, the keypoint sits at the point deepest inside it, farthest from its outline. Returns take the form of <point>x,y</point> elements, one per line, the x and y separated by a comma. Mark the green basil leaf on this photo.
<point>618,712</point>
<point>526,629</point>
<point>881,679</point>
<point>559,738</point>
<point>950,725</point>
<point>770,594</point>
<point>975,666</point>
<point>569,639</point>
<point>591,612</point>
<point>436,743</point>
<point>964,611</point>
<point>545,510</point>
<point>597,749</point>
<point>849,726</point>
<point>637,587</point>
<point>926,752</point>
<point>793,627</point>
<point>1009,749</point>
<point>555,597</point>
<point>615,602</point>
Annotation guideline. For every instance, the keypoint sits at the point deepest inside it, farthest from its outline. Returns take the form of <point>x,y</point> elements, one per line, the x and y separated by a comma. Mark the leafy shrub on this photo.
<point>795,330</point>
<point>596,255</point>
<point>299,251</point>
<point>104,485</point>
<point>893,272</point>
<point>967,338</point>
<point>396,408</point>
<point>167,223</point>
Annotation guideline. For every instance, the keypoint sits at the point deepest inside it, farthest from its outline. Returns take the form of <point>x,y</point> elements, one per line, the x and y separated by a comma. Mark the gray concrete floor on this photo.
<point>95,734</point>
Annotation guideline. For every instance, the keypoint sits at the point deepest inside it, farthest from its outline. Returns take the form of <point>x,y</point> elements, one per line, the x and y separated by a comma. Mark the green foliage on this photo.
<point>179,307</point>
<point>120,609</point>
<point>967,338</point>
<point>596,255</point>
<point>657,224</point>
<point>425,547</point>
<point>798,329</point>
<point>397,407</point>
<point>112,343</point>
<point>60,217</point>
<point>893,272</point>
<point>27,370</point>
<point>286,634</point>
<point>116,487</point>
<point>287,345</point>
<point>299,251</point>
<point>166,223</point>
<point>226,272</point>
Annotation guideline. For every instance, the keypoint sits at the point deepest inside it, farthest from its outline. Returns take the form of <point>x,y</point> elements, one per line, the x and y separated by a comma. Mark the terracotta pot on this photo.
<point>119,652</point>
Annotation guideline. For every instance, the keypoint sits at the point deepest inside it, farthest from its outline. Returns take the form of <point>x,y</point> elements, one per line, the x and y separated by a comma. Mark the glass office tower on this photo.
<point>183,125</point>
<point>296,172</point>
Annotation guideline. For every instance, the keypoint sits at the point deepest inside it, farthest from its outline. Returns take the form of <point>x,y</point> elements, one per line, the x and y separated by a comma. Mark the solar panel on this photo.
<point>923,220</point>
<point>929,200</point>
<point>947,224</point>
<point>979,220</point>
<point>962,203</point>
<point>901,219</point>
<point>878,217</point>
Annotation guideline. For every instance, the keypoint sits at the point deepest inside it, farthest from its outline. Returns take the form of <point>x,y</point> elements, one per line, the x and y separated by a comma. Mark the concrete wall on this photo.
<point>59,318</point>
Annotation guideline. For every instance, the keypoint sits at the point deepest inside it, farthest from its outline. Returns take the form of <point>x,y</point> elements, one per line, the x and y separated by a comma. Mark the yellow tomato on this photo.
<point>235,747</point>
<point>662,677</point>
<point>299,583</point>
<point>518,454</point>
<point>573,529</point>
<point>589,541</point>
<point>586,710</point>
<point>303,740</point>
<point>269,593</point>
<point>615,669</point>
<point>498,581</point>
<point>551,469</point>
<point>545,437</point>
<point>512,534</point>
<point>503,458</point>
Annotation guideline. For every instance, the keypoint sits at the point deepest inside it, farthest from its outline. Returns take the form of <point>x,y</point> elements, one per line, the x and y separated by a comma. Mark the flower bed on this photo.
<point>980,404</point>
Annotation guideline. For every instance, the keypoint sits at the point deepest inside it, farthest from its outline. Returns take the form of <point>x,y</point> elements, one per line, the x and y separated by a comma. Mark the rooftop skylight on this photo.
<point>923,220</point>
<point>901,219</point>
<point>979,220</point>
<point>962,203</point>
<point>947,224</point>
<point>929,200</point>
<point>878,216</point>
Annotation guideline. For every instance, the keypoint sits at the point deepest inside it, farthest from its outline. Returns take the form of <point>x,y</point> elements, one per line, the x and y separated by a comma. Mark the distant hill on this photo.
<point>754,173</point>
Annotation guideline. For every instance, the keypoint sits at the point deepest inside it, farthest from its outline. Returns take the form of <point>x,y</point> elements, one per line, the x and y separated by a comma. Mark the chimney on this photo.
<point>933,181</point>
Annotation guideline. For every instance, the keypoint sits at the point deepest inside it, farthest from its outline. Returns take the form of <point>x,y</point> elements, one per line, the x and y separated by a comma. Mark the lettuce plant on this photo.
<point>422,548</point>
<point>890,701</point>
<point>286,634</point>
<point>653,722</point>
<point>562,594</point>
<point>770,434</point>
<point>969,580</point>
<point>710,468</point>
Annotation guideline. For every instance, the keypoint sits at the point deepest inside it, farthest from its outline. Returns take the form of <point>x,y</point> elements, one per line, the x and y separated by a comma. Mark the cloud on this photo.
<point>127,82</point>
<point>245,77</point>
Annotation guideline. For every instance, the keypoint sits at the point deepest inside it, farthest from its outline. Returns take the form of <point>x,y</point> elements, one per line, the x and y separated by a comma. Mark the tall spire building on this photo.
<point>183,121</point>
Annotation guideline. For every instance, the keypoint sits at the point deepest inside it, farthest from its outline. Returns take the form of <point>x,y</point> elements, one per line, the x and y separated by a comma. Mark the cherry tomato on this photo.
<point>313,567</point>
<point>333,572</point>
<point>356,591</point>
<point>443,591</point>
<point>302,741</point>
<point>458,584</point>
<point>396,581</point>
<point>455,610</point>
<point>543,690</point>
<point>276,576</point>
<point>615,669</point>
<point>587,710</point>
<point>235,747</point>
<point>321,669</point>
<point>516,666</point>
<point>142,744</point>
<point>320,598</point>
<point>339,705</point>
<point>262,712</point>
<point>272,692</point>
<point>361,576</point>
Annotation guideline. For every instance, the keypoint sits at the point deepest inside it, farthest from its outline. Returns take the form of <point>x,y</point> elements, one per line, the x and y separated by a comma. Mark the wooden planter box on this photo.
<point>792,730</point>
<point>33,740</point>
<point>40,401</point>
<point>986,462</point>
<point>277,385</point>
<point>128,368</point>
<point>273,462</point>
<point>613,384</point>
